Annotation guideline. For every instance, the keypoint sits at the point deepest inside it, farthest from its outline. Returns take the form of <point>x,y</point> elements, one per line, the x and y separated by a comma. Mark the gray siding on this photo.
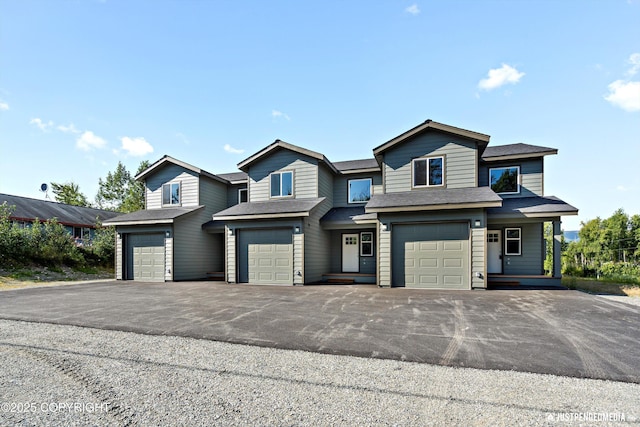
<point>325,183</point>
<point>459,157</point>
<point>531,176</point>
<point>232,194</point>
<point>317,245</point>
<point>189,186</point>
<point>531,262</point>
<point>305,175</point>
<point>367,263</point>
<point>341,187</point>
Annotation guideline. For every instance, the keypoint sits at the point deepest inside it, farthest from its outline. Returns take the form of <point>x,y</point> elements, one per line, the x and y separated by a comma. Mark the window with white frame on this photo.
<point>359,190</point>
<point>282,184</point>
<point>242,195</point>
<point>505,180</point>
<point>366,243</point>
<point>428,172</point>
<point>171,194</point>
<point>513,241</point>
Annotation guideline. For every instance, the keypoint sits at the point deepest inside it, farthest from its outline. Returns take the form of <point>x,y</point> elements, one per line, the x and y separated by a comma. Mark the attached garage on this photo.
<point>431,255</point>
<point>146,257</point>
<point>265,256</point>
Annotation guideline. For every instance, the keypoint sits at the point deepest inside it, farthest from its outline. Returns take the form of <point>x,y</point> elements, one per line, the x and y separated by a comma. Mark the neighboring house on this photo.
<point>79,221</point>
<point>433,208</point>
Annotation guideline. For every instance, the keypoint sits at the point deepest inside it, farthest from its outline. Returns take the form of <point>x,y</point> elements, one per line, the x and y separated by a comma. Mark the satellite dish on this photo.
<point>44,187</point>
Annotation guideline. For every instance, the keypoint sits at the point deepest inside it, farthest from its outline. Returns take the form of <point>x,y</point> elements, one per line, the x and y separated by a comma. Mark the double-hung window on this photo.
<point>366,243</point>
<point>242,195</point>
<point>513,241</point>
<point>428,172</point>
<point>282,184</point>
<point>359,190</point>
<point>171,194</point>
<point>505,180</point>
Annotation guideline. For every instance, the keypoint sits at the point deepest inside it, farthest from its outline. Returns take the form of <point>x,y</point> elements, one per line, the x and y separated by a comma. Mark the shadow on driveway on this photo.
<point>543,331</point>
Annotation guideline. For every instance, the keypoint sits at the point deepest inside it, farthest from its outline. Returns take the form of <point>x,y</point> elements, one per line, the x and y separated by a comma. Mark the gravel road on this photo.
<point>66,375</point>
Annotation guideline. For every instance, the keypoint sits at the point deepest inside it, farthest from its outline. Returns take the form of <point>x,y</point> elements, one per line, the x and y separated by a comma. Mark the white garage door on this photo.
<point>145,255</point>
<point>265,257</point>
<point>431,256</point>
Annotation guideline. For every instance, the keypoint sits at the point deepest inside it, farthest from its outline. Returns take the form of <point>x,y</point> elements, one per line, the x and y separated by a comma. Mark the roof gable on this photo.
<point>159,164</point>
<point>280,145</point>
<point>481,139</point>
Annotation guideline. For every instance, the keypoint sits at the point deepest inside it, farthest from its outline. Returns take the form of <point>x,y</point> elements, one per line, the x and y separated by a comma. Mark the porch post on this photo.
<point>557,249</point>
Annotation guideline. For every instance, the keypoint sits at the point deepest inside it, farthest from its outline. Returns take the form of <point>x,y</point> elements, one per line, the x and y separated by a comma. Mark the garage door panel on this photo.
<point>431,255</point>
<point>265,256</point>
<point>147,257</point>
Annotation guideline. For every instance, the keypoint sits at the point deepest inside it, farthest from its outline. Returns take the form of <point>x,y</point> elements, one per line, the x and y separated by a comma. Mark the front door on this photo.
<point>494,251</point>
<point>350,253</point>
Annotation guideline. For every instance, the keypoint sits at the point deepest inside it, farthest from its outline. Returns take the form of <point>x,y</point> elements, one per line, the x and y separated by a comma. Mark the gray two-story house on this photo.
<point>435,207</point>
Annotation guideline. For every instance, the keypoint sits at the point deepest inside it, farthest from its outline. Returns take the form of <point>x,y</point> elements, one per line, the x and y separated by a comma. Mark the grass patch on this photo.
<point>86,269</point>
<point>23,274</point>
<point>56,269</point>
<point>594,286</point>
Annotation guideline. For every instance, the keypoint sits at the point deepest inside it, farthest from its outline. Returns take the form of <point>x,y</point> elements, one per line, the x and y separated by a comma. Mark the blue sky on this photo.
<point>85,83</point>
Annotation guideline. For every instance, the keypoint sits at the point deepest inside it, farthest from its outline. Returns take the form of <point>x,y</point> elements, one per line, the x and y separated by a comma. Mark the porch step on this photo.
<point>342,281</point>
<point>215,275</point>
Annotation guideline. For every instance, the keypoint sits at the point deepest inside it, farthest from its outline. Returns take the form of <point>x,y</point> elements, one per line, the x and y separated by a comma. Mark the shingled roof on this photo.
<point>152,216</point>
<point>519,150</point>
<point>445,198</point>
<point>269,209</point>
<point>28,209</point>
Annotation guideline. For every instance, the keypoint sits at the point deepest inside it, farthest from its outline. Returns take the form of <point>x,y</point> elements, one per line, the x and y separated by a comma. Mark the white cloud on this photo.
<point>4,106</point>
<point>68,129</point>
<point>279,114</point>
<point>230,149</point>
<point>500,76</point>
<point>634,60</point>
<point>136,146</point>
<point>625,95</point>
<point>413,9</point>
<point>44,127</point>
<point>88,141</point>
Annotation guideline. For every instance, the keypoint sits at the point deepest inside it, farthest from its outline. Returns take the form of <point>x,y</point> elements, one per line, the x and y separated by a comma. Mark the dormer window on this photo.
<point>282,184</point>
<point>428,172</point>
<point>359,190</point>
<point>171,194</point>
<point>505,180</point>
<point>242,195</point>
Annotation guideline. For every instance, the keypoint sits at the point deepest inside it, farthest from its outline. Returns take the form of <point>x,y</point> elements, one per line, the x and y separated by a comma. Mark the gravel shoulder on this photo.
<point>124,378</point>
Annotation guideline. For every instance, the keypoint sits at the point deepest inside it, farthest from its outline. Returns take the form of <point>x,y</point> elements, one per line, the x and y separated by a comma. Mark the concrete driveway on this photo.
<point>556,332</point>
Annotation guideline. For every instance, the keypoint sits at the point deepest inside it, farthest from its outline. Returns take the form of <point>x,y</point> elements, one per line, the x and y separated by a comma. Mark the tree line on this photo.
<point>605,248</point>
<point>118,191</point>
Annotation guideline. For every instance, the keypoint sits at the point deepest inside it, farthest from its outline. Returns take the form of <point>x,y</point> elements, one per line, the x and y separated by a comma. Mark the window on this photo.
<point>366,243</point>
<point>242,195</point>
<point>505,180</point>
<point>171,194</point>
<point>428,172</point>
<point>513,241</point>
<point>359,190</point>
<point>282,184</point>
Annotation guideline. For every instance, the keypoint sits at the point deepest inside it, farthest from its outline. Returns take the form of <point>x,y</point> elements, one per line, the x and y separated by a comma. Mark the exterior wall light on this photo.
<point>477,223</point>
<point>297,229</point>
<point>167,234</point>
<point>230,231</point>
<point>384,227</point>
<point>119,236</point>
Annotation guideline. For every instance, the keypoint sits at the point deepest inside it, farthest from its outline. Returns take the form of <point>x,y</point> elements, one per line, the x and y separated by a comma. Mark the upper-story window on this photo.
<point>428,172</point>
<point>242,195</point>
<point>282,184</point>
<point>359,190</point>
<point>171,194</point>
<point>505,180</point>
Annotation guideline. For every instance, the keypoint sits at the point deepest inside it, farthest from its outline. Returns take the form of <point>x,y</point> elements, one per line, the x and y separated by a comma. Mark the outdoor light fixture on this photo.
<point>383,227</point>
<point>230,231</point>
<point>477,223</point>
<point>119,236</point>
<point>297,229</point>
<point>167,234</point>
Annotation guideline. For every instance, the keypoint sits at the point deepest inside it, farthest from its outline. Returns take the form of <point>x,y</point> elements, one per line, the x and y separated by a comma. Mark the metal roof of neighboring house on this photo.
<point>427,125</point>
<point>168,159</point>
<point>350,215</point>
<point>152,216</point>
<point>269,209</point>
<point>532,207</point>
<point>234,177</point>
<point>28,209</point>
<point>431,199</point>
<point>516,151</point>
<point>354,166</point>
<point>278,144</point>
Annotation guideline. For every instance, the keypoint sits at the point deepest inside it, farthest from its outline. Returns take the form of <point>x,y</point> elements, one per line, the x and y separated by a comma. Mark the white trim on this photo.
<point>292,185</point>
<point>260,216</point>
<point>426,160</point>
<point>517,179</point>
<point>362,241</point>
<point>349,190</point>
<point>240,190</point>
<point>170,184</point>
<point>512,239</point>
<point>434,207</point>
